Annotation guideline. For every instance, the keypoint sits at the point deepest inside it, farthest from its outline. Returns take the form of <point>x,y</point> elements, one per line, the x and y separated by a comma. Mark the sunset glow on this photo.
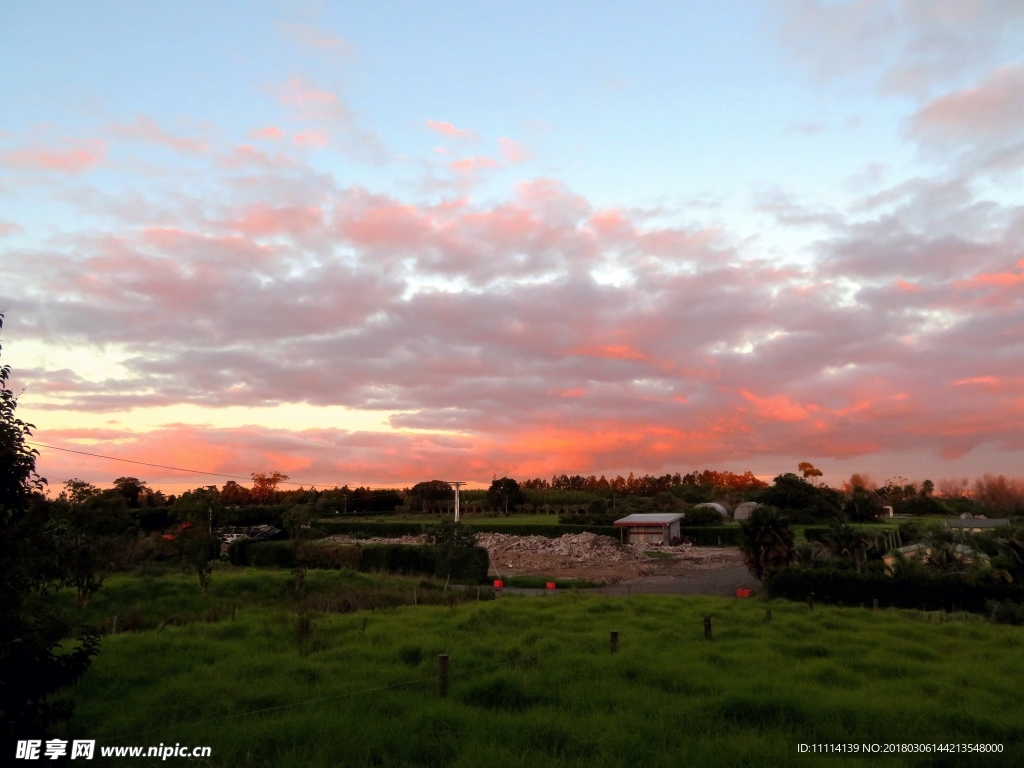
<point>378,248</point>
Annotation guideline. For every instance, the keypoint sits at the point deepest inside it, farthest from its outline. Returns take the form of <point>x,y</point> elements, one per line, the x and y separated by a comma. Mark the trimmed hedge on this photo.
<point>712,535</point>
<point>330,527</point>
<point>470,565</point>
<point>277,554</point>
<point>925,591</point>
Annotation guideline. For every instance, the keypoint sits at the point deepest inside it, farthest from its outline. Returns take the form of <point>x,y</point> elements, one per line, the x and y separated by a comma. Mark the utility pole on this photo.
<point>457,484</point>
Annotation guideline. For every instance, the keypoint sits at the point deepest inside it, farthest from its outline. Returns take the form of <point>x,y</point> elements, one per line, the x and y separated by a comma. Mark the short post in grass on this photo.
<point>615,642</point>
<point>442,674</point>
<point>768,616</point>
<point>810,602</point>
<point>874,604</point>
<point>707,626</point>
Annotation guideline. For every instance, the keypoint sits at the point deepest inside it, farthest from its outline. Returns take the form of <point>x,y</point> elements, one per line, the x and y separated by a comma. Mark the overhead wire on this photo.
<point>184,469</point>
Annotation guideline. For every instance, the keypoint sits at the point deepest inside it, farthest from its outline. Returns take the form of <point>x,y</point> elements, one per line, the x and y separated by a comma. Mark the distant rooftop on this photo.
<point>663,518</point>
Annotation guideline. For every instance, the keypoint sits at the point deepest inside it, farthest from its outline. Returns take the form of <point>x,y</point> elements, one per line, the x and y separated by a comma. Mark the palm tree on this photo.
<point>844,540</point>
<point>767,542</point>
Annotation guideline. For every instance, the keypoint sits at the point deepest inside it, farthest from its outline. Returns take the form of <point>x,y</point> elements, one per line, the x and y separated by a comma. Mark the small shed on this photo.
<point>662,528</point>
<point>744,510</point>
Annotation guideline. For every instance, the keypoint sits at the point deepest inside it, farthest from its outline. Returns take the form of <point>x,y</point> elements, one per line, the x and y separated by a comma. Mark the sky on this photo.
<point>379,243</point>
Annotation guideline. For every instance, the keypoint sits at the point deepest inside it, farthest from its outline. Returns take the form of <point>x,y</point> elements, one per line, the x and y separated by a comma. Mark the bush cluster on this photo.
<point>469,565</point>
<point>911,589</point>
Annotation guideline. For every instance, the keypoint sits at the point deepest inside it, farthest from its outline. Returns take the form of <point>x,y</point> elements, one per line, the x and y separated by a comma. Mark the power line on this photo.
<point>177,469</point>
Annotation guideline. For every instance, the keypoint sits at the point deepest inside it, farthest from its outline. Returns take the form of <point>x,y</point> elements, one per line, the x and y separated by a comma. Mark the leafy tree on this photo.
<point>863,504</point>
<point>194,539</point>
<point>799,498</point>
<point>767,541</point>
<point>298,521</point>
<point>93,530</point>
<point>429,493</point>
<point>452,540</point>
<point>808,470</point>
<point>35,662</point>
<point>504,492</point>
<point>234,495</point>
<point>264,486</point>
<point>78,491</point>
<point>132,489</point>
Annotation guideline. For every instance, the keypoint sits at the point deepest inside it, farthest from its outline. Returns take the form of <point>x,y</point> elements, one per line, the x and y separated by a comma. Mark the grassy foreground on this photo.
<point>533,682</point>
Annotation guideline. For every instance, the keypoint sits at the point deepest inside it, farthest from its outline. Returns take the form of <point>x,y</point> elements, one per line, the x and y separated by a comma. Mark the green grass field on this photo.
<point>533,682</point>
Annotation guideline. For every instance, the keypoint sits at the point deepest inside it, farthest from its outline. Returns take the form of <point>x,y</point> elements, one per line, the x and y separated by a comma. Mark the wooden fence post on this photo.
<point>442,675</point>
<point>874,604</point>
<point>810,602</point>
<point>707,626</point>
<point>615,642</point>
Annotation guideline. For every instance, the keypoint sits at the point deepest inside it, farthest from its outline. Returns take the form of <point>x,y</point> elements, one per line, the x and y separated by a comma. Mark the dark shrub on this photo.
<point>703,516</point>
<point>333,556</point>
<point>914,588</point>
<point>270,554</point>
<point>1005,612</point>
<point>767,542</point>
<point>468,565</point>
<point>802,501</point>
<point>410,655</point>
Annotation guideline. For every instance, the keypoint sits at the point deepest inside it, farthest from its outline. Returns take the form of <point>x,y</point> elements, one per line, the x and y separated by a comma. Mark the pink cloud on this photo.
<point>270,132</point>
<point>9,228</point>
<point>994,108</point>
<point>79,157</point>
<point>311,36</point>
<point>476,164</point>
<point>311,138</point>
<point>310,102</point>
<point>247,156</point>
<point>146,129</point>
<point>513,151</point>
<point>262,220</point>
<point>448,130</point>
